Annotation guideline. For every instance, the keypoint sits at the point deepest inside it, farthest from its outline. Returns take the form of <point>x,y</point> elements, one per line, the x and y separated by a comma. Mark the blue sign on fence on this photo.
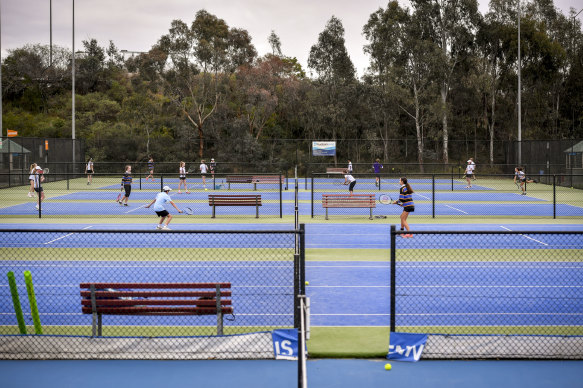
<point>323,148</point>
<point>406,346</point>
<point>285,344</point>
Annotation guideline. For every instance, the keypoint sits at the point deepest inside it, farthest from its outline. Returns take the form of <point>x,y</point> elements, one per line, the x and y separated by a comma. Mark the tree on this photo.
<point>450,24</point>
<point>202,57</point>
<point>275,43</point>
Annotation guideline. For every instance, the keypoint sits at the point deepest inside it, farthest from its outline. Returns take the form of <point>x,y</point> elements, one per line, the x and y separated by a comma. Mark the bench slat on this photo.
<point>135,294</point>
<point>155,285</point>
<point>158,310</point>
<point>348,201</point>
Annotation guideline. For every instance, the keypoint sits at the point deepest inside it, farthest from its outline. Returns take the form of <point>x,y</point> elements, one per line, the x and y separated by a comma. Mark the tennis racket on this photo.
<point>119,195</point>
<point>46,170</point>
<point>188,211</point>
<point>386,199</point>
<point>517,182</point>
<point>191,170</point>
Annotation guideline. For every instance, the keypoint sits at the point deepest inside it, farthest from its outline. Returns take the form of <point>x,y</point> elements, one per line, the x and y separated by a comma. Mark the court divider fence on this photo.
<point>105,294</point>
<point>70,195</point>
<point>452,195</point>
<point>489,294</point>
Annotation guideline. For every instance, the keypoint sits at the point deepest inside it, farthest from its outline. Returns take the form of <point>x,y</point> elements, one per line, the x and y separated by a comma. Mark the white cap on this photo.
<point>38,168</point>
<point>166,188</point>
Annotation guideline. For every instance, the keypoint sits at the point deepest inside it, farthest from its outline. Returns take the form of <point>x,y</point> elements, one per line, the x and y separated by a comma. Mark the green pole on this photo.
<point>16,303</point>
<point>32,300</point>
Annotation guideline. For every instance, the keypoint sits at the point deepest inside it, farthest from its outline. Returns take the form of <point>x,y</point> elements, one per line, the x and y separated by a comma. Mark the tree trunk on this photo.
<point>418,130</point>
<point>444,123</point>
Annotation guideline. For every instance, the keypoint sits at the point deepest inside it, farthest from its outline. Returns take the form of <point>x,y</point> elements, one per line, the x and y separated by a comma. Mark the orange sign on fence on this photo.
<point>46,145</point>
<point>11,133</point>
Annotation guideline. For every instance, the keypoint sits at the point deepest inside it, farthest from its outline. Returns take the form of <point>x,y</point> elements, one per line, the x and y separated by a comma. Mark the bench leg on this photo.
<point>219,311</point>
<point>93,311</point>
<point>370,218</point>
<point>256,210</point>
<point>326,213</point>
<point>213,216</point>
<point>99,325</point>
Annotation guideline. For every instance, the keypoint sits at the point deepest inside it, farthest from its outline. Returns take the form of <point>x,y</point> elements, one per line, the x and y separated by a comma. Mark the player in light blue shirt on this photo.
<point>161,199</point>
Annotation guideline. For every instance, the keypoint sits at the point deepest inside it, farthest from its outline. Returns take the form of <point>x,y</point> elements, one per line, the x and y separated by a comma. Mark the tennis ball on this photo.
<point>388,367</point>
<point>307,283</point>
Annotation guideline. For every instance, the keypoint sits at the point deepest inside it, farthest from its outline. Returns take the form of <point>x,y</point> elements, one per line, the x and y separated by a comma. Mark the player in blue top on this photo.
<point>406,201</point>
<point>377,166</point>
<point>161,199</point>
<point>126,183</point>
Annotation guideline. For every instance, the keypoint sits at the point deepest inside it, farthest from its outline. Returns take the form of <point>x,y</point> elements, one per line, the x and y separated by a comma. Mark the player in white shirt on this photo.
<point>182,178</point>
<point>31,180</point>
<point>89,171</point>
<point>520,179</point>
<point>203,171</point>
<point>469,173</point>
<point>349,178</point>
<point>161,199</point>
<point>349,170</point>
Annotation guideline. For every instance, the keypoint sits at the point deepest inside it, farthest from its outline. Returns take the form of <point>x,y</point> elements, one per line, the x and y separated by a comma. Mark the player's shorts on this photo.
<point>182,178</point>
<point>351,185</point>
<point>38,189</point>
<point>409,209</point>
<point>203,174</point>
<point>128,189</point>
<point>89,171</point>
<point>162,213</point>
<point>522,179</point>
<point>469,175</point>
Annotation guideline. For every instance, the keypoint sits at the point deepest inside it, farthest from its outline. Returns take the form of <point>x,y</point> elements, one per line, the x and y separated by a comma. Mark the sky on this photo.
<point>138,24</point>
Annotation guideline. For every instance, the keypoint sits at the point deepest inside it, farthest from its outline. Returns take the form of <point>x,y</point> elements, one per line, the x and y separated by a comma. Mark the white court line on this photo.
<point>530,238</point>
<point>67,235</point>
<point>457,209</point>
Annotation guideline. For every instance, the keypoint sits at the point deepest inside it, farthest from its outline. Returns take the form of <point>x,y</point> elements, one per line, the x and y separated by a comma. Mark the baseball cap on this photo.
<point>38,168</point>
<point>166,188</point>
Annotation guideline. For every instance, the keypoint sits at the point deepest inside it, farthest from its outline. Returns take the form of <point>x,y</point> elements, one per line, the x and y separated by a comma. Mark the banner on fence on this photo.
<point>323,148</point>
<point>406,346</point>
<point>285,344</point>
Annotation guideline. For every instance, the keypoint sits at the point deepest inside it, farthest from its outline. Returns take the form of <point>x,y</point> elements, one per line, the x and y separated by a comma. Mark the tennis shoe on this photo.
<point>29,194</point>
<point>408,236</point>
<point>158,226</point>
<point>125,204</point>
<point>165,227</point>
<point>188,192</point>
<point>36,207</point>
<point>120,204</point>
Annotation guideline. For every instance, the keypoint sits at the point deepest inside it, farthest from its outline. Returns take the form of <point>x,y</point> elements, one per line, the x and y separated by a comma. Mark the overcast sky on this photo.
<point>137,25</point>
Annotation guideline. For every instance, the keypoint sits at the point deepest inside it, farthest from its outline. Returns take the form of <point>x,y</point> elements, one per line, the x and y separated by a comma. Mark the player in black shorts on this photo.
<point>126,183</point>
<point>406,200</point>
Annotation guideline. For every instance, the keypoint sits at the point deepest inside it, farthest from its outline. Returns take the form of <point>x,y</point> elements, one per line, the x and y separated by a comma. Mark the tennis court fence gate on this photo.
<point>489,294</point>
<point>256,276</point>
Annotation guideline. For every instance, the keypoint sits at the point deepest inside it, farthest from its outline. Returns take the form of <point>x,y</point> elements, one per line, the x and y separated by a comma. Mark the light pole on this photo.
<point>51,33</point>
<point>519,95</point>
<point>73,88</point>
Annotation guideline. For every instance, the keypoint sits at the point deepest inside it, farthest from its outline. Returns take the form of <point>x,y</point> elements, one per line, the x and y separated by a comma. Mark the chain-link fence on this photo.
<point>488,294</point>
<point>145,294</point>
<point>450,195</point>
<point>226,196</point>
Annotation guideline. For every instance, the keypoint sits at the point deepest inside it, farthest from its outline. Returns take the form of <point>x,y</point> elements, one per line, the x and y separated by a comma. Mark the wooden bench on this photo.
<point>269,179</point>
<point>238,179</point>
<point>348,201</point>
<point>155,299</point>
<point>335,170</point>
<point>235,200</point>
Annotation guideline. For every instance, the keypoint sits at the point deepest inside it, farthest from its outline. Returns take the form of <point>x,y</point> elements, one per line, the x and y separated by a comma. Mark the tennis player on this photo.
<point>469,173</point>
<point>89,171</point>
<point>151,168</point>
<point>158,202</point>
<point>352,182</point>
<point>213,167</point>
<point>521,178</point>
<point>203,171</point>
<point>31,179</point>
<point>182,178</point>
<point>377,166</point>
<point>126,183</point>
<point>406,200</point>
<point>38,180</point>
<point>349,171</point>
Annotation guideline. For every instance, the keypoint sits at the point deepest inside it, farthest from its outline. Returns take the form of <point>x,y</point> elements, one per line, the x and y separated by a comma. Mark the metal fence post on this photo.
<point>554,196</point>
<point>433,194</point>
<point>393,275</point>
<point>312,196</point>
<point>280,197</point>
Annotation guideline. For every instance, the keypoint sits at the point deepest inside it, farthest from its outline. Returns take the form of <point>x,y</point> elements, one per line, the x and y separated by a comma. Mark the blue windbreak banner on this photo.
<point>323,148</point>
<point>406,346</point>
<point>285,344</point>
